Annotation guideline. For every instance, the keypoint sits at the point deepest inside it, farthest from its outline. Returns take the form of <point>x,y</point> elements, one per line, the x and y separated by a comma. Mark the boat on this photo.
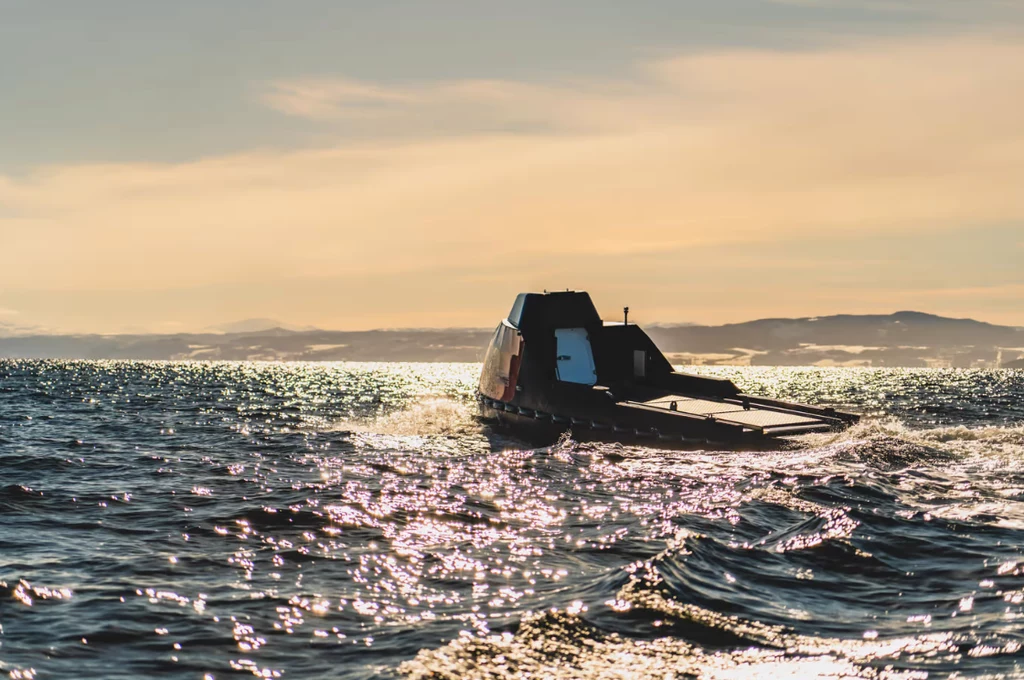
<point>553,365</point>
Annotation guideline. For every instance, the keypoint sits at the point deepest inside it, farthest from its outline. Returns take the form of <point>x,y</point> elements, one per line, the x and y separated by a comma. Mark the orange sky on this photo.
<point>864,175</point>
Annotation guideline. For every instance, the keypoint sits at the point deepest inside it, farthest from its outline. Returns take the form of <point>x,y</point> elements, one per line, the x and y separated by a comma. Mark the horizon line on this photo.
<point>291,328</point>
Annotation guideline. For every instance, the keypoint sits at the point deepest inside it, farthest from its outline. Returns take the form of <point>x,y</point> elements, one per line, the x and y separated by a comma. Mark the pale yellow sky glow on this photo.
<point>715,186</point>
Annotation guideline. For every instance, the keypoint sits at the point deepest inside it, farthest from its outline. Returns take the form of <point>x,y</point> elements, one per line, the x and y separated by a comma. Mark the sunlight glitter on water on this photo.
<point>357,520</point>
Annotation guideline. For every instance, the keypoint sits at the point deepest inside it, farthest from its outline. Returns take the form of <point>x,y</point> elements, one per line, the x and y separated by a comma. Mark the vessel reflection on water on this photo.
<point>554,365</point>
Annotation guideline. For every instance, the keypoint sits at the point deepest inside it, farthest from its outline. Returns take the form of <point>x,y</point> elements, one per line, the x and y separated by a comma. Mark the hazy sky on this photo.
<point>170,166</point>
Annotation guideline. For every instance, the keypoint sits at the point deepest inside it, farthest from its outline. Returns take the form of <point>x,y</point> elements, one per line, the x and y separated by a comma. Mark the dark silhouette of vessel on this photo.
<point>553,365</point>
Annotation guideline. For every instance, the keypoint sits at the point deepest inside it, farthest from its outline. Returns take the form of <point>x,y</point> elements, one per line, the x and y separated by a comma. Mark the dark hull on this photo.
<point>619,424</point>
<point>542,431</point>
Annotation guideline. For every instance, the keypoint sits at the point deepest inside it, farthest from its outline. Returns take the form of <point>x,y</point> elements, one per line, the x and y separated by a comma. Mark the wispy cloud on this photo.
<point>453,107</point>
<point>727,147</point>
<point>329,98</point>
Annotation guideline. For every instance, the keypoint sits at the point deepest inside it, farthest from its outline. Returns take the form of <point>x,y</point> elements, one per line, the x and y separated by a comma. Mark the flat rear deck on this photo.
<point>767,420</point>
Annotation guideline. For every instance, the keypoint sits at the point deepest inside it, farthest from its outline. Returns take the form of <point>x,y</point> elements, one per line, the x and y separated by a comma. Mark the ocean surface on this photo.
<point>215,520</point>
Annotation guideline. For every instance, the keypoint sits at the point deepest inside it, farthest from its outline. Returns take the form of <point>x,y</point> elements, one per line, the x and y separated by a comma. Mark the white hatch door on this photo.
<point>574,360</point>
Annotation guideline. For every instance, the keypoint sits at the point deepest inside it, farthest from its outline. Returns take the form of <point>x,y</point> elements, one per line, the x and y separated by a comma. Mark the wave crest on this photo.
<point>437,415</point>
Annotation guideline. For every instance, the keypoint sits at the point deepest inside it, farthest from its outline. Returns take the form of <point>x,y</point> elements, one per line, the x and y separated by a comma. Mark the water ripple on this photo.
<point>357,520</point>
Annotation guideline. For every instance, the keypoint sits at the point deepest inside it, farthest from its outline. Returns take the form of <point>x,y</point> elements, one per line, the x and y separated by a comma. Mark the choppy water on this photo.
<point>354,521</point>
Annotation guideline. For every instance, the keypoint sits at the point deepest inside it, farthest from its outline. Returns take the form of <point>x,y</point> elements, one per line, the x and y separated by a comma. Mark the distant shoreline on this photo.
<point>903,339</point>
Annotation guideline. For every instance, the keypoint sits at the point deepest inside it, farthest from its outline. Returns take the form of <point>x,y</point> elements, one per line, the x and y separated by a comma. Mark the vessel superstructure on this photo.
<point>554,365</point>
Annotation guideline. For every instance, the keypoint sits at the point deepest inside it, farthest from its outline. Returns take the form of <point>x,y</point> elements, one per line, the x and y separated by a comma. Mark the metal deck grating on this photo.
<point>698,407</point>
<point>731,413</point>
<point>768,419</point>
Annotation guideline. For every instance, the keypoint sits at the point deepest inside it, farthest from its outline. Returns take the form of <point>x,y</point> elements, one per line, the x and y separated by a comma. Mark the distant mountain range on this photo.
<point>256,325</point>
<point>900,339</point>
